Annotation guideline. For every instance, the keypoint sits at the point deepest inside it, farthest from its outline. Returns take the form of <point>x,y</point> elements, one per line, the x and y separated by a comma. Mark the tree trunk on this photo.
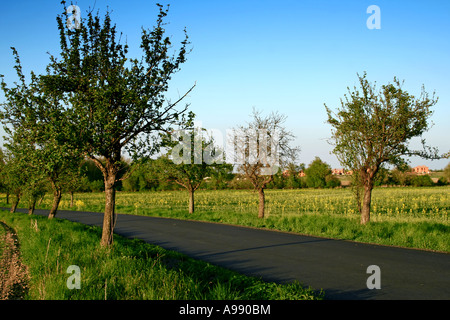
<point>71,199</point>
<point>262,200</point>
<point>109,217</point>
<point>191,200</point>
<point>7,198</point>
<point>367,198</point>
<point>32,205</point>
<point>15,203</point>
<point>57,193</point>
<point>41,199</point>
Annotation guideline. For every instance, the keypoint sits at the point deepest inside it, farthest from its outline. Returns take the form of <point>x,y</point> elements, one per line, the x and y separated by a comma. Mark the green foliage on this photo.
<point>447,173</point>
<point>192,157</point>
<point>442,181</point>
<point>116,102</point>
<point>37,135</point>
<point>96,186</point>
<point>144,176</point>
<point>318,175</point>
<point>332,182</point>
<point>422,181</point>
<point>107,102</point>
<point>373,128</point>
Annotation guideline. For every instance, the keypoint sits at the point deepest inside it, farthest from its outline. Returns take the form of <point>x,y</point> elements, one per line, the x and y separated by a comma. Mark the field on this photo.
<point>410,216</point>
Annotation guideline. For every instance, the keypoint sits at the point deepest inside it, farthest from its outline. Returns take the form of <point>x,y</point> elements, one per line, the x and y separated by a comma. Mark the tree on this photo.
<point>400,175</point>
<point>261,148</point>
<point>37,133</point>
<point>422,181</point>
<point>3,180</point>
<point>15,179</point>
<point>220,176</point>
<point>374,128</point>
<point>294,178</point>
<point>447,172</point>
<point>115,103</point>
<point>192,158</point>
<point>317,173</point>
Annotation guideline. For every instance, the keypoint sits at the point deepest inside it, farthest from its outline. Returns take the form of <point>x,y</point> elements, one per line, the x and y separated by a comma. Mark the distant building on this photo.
<point>338,172</point>
<point>421,170</point>
<point>286,173</point>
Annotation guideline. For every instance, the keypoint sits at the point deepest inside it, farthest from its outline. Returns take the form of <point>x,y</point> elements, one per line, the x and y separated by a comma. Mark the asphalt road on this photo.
<point>338,267</point>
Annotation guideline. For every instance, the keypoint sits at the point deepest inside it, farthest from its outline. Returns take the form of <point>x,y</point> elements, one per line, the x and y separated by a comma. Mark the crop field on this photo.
<point>397,204</point>
<point>408,216</point>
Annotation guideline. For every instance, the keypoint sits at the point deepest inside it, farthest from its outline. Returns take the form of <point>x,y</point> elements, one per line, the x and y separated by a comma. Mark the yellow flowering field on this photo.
<point>403,216</point>
<point>400,204</point>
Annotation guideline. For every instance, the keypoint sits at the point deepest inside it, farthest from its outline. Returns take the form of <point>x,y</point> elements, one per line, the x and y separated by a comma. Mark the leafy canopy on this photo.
<point>115,102</point>
<point>374,127</point>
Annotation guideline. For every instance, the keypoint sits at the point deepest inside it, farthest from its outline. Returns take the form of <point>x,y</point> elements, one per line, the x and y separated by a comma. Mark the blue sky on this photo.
<point>287,56</point>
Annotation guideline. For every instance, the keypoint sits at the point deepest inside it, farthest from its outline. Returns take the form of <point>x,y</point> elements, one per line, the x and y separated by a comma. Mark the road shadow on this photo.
<point>209,255</point>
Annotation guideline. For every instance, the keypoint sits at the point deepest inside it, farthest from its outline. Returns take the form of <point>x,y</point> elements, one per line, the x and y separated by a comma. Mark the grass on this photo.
<point>414,217</point>
<point>129,270</point>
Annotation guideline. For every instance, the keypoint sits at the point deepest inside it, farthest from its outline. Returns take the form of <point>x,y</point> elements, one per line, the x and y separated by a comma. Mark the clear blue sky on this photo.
<point>291,56</point>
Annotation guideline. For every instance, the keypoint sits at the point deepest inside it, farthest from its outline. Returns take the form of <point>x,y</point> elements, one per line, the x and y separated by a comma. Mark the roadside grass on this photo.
<point>129,270</point>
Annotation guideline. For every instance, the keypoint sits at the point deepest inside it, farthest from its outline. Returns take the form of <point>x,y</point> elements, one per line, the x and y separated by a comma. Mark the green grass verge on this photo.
<point>129,270</point>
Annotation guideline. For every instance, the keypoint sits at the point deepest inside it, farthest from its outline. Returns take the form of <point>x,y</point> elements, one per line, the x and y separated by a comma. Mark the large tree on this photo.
<point>115,103</point>
<point>260,149</point>
<point>373,128</point>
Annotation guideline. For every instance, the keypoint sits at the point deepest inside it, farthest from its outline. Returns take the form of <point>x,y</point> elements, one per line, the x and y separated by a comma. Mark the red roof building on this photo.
<point>421,170</point>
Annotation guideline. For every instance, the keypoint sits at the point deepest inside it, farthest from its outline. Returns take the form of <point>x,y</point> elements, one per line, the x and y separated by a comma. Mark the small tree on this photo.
<point>220,176</point>
<point>3,186</point>
<point>115,103</point>
<point>192,158</point>
<point>261,148</point>
<point>373,128</point>
<point>289,178</point>
<point>38,133</point>
<point>317,173</point>
<point>15,179</point>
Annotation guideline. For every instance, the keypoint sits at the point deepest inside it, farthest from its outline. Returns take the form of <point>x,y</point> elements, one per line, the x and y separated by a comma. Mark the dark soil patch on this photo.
<point>13,274</point>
